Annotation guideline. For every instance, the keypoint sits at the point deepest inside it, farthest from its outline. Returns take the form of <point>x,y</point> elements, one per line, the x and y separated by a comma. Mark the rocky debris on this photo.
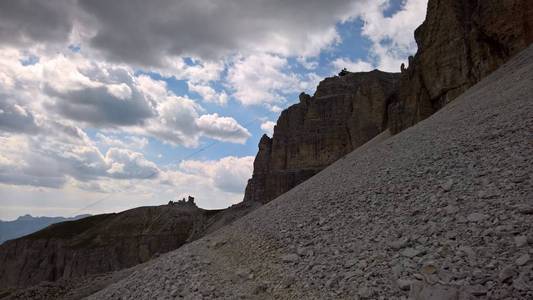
<point>476,217</point>
<point>376,196</point>
<point>290,258</point>
<point>522,260</point>
<point>459,43</point>
<point>345,112</point>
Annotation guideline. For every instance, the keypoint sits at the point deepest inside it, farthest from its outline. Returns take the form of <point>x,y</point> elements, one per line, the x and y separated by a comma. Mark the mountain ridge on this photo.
<point>427,87</point>
<point>439,211</point>
<point>28,224</point>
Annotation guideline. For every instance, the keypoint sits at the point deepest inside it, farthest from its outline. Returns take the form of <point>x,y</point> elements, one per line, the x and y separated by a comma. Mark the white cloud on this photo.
<point>268,127</point>
<point>200,71</point>
<point>208,93</point>
<point>46,104</point>
<point>352,66</point>
<point>392,37</point>
<point>106,96</point>
<point>128,142</point>
<point>121,91</point>
<point>228,174</point>
<point>125,163</point>
<point>308,63</point>
<point>265,79</point>
<point>222,128</point>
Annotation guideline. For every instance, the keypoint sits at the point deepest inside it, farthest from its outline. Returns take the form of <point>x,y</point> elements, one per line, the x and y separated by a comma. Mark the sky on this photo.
<point>110,105</point>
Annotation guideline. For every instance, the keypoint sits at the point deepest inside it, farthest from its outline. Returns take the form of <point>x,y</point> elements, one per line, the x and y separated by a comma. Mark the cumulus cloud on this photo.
<point>222,128</point>
<point>25,22</point>
<point>352,66</point>
<point>15,118</point>
<point>208,94</point>
<point>228,174</point>
<point>124,163</point>
<point>127,142</point>
<point>104,96</point>
<point>40,160</point>
<point>392,36</point>
<point>265,79</point>
<point>210,29</point>
<point>268,127</point>
<point>68,67</point>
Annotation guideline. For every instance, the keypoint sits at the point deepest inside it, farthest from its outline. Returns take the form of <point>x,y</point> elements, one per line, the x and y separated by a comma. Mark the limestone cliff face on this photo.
<point>99,243</point>
<point>459,44</point>
<point>344,113</point>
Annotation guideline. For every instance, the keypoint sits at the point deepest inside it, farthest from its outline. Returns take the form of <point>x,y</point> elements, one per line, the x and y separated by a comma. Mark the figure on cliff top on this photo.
<point>343,72</point>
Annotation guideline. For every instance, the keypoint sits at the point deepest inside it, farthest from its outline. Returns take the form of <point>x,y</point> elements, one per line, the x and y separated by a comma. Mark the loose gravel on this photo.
<point>443,210</point>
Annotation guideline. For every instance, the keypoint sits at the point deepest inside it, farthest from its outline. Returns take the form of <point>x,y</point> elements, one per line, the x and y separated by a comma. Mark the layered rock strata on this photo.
<point>344,113</point>
<point>100,243</point>
<point>459,43</point>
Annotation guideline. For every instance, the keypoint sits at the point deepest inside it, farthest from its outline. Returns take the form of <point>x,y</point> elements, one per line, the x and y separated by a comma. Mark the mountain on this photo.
<point>27,224</point>
<point>460,43</point>
<point>344,113</point>
<point>437,209</point>
<point>441,210</point>
<point>101,243</point>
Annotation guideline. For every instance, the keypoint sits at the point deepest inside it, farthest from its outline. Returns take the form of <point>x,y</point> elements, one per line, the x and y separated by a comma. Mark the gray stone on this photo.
<point>507,273</point>
<point>523,259</point>
<point>447,186</point>
<point>399,243</point>
<point>520,240</point>
<point>404,284</point>
<point>411,252</point>
<point>290,258</point>
<point>476,217</point>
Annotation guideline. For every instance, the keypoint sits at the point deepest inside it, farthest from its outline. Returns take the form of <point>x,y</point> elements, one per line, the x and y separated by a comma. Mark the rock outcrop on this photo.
<point>100,243</point>
<point>344,113</point>
<point>440,211</point>
<point>460,43</point>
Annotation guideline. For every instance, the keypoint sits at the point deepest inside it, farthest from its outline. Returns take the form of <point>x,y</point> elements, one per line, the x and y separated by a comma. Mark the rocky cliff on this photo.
<point>440,211</point>
<point>99,243</point>
<point>460,43</point>
<point>345,112</point>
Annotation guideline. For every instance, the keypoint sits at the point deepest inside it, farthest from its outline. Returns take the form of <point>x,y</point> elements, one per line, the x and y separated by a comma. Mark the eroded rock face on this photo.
<point>345,112</point>
<point>459,44</point>
<point>99,243</point>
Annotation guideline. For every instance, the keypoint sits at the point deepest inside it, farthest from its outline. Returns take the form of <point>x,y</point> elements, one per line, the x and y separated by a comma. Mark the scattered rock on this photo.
<point>404,284</point>
<point>507,273</point>
<point>290,258</point>
<point>525,209</point>
<point>520,241</point>
<point>523,259</point>
<point>447,186</point>
<point>412,252</point>
<point>478,290</point>
<point>399,243</point>
<point>476,217</point>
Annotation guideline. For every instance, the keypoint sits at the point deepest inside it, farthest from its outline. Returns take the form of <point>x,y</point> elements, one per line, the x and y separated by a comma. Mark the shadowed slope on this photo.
<point>437,210</point>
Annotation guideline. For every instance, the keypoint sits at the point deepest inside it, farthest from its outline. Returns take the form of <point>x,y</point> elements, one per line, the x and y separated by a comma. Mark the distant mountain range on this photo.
<point>27,224</point>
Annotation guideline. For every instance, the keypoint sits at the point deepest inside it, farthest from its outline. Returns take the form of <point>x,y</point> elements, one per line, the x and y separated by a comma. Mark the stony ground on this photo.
<point>443,210</point>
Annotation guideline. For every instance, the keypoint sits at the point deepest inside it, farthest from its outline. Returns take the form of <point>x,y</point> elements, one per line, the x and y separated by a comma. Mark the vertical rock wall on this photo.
<point>459,43</point>
<point>345,112</point>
